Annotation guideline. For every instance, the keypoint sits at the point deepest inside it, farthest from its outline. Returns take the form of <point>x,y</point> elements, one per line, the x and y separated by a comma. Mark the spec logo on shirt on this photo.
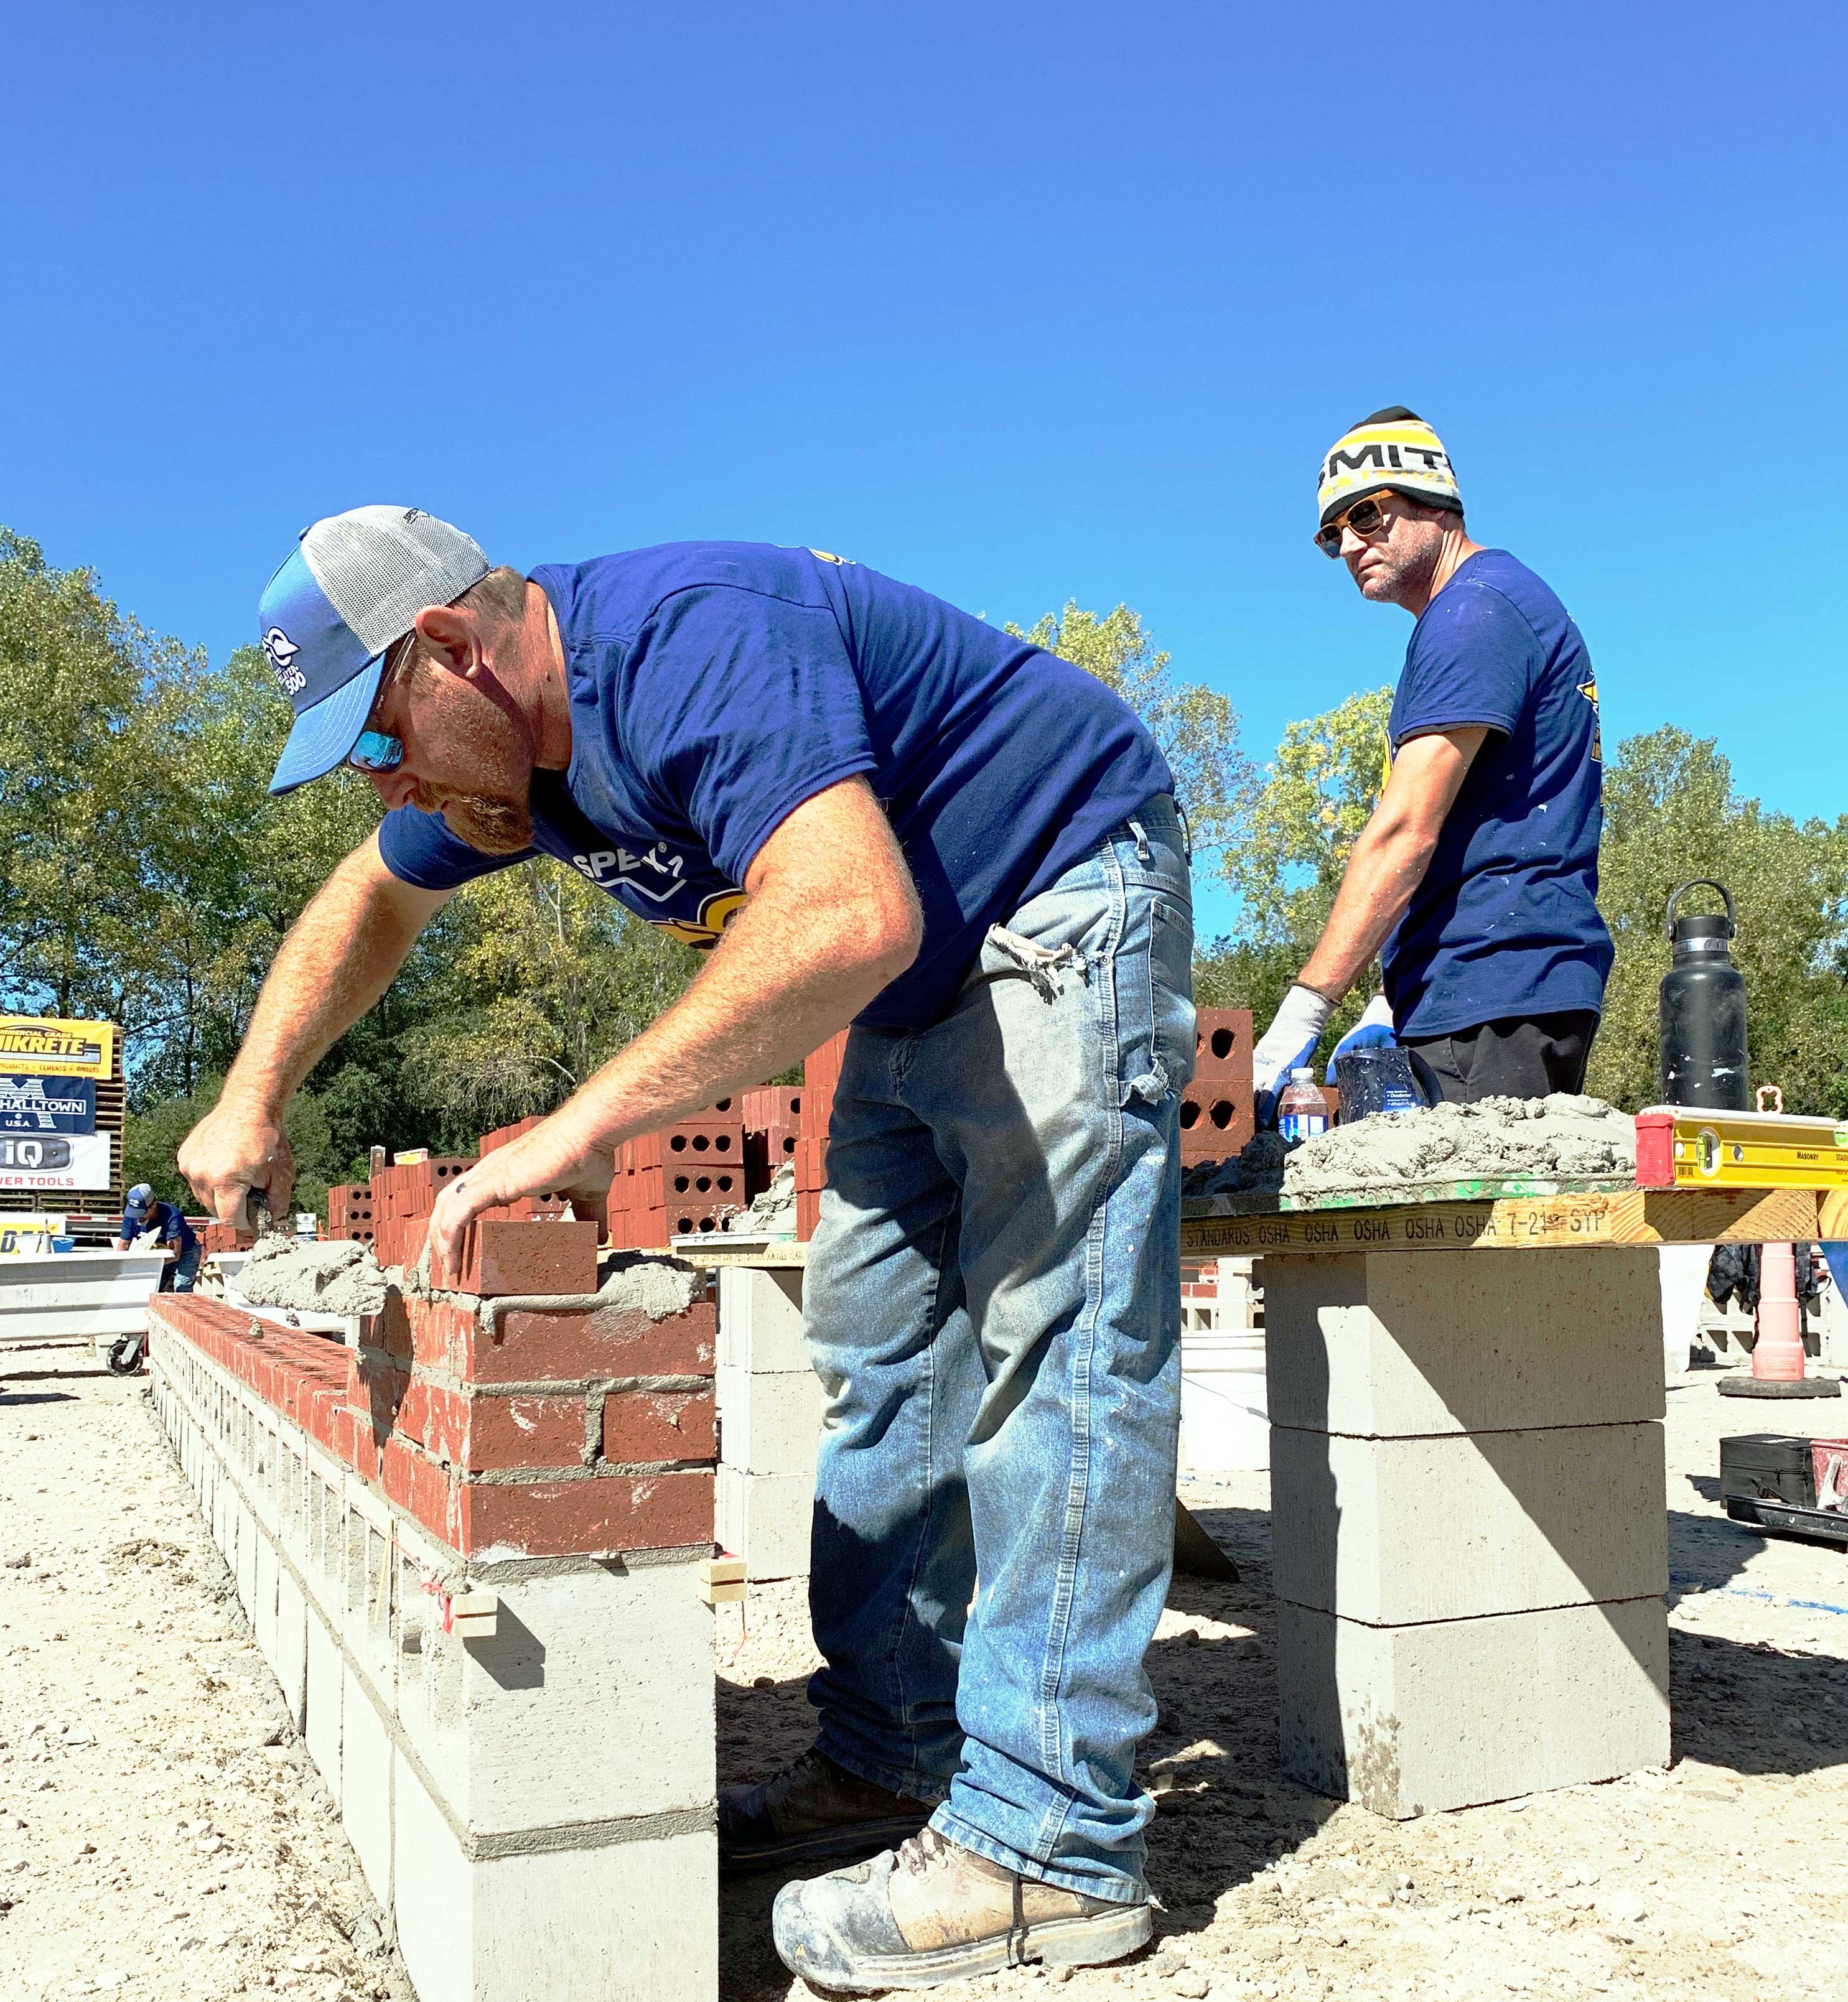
<point>1589,691</point>
<point>658,874</point>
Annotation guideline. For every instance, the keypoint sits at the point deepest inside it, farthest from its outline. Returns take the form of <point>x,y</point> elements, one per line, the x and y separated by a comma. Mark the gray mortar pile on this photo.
<point>336,1276</point>
<point>1563,1138</point>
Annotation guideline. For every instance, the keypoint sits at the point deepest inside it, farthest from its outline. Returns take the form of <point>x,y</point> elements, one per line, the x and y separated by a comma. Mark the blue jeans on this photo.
<point>993,1303</point>
<point>178,1274</point>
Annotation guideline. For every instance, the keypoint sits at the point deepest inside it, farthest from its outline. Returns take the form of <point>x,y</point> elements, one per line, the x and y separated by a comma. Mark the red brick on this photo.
<point>641,1426</point>
<point>432,1495</point>
<point>564,1348</point>
<point>502,1257</point>
<point>615,1512</point>
<point>525,1431</point>
<point>1222,1045</point>
<point>395,1466</point>
<point>437,1332</point>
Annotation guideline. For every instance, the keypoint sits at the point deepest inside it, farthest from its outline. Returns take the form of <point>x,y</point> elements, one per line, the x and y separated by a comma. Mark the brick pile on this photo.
<point>689,1178</point>
<point>350,1212</point>
<point>589,1432</point>
<point>216,1236</point>
<point>402,1196</point>
<point>821,1075</point>
<point>773,1123</point>
<point>1216,1107</point>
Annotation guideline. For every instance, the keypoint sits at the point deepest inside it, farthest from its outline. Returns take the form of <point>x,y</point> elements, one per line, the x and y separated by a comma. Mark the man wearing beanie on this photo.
<point>1476,879</point>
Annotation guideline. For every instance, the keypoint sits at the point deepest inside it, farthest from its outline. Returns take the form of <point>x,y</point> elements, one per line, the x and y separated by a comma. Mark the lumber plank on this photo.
<point>1625,1217</point>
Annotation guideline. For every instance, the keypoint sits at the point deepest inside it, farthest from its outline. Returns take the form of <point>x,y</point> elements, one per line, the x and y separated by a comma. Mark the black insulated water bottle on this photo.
<point>1703,1011</point>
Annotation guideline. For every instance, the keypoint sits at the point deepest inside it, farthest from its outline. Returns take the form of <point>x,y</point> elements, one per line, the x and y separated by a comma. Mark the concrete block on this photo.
<point>1682,1276</point>
<point>630,1921</point>
<point>1225,1422</point>
<point>326,1700</point>
<point>593,1697</point>
<point>770,1424</point>
<point>1394,1531</point>
<point>1415,1720</point>
<point>365,1783</point>
<point>765,1518</point>
<point>262,1618</point>
<point>290,1660</point>
<point>248,1535</point>
<point>760,1320</point>
<point>1397,1344</point>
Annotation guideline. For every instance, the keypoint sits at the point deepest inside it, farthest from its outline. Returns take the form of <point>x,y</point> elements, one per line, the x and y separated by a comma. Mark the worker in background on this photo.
<point>1476,879</point>
<point>871,808</point>
<point>144,1216</point>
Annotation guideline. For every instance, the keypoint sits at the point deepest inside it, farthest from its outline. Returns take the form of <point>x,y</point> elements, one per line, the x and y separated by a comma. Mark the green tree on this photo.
<point>1295,828</point>
<point>559,976</point>
<point>1670,814</point>
<point>1196,728</point>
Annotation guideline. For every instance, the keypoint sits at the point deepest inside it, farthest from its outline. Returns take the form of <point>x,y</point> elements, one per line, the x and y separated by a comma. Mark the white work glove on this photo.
<point>1287,1044</point>
<point>1374,1031</point>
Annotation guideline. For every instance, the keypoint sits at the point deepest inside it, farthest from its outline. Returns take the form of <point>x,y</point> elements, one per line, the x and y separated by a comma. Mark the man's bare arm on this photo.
<point>1388,862</point>
<point>832,918</point>
<point>339,957</point>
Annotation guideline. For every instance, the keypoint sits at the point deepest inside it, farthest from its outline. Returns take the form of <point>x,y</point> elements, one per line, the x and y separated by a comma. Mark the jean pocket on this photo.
<point>1171,990</point>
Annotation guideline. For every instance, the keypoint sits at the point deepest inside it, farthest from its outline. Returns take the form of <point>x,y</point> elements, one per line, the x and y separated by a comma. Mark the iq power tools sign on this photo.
<point>49,1070</point>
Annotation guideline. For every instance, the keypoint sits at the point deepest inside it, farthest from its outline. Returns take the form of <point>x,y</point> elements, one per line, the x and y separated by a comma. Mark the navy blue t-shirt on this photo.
<point>167,1223</point>
<point>716,686</point>
<point>1505,922</point>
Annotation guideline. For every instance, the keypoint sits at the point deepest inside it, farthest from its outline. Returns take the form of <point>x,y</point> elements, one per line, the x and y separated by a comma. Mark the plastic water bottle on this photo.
<point>1301,1112</point>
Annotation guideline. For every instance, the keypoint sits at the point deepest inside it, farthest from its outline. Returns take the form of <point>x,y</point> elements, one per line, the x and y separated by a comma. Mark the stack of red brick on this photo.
<point>350,1212</point>
<point>534,1434</point>
<point>402,1196</point>
<point>821,1074</point>
<point>689,1177</point>
<point>216,1236</point>
<point>773,1123</point>
<point>1216,1108</point>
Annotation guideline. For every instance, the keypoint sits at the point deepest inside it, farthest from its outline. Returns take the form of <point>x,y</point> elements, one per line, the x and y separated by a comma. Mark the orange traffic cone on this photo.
<point>1777,1360</point>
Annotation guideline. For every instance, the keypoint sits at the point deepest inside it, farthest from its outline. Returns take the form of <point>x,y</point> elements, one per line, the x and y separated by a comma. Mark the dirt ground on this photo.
<point>163,1835</point>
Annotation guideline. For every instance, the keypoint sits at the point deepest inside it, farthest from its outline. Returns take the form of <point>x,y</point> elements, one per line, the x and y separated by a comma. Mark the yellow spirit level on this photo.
<point>1683,1146</point>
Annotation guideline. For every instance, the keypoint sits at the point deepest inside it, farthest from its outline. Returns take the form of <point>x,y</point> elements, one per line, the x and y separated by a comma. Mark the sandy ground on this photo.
<point>162,1834</point>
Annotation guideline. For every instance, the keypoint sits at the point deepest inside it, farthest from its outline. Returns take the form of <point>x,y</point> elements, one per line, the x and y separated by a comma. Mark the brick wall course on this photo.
<point>484,1440</point>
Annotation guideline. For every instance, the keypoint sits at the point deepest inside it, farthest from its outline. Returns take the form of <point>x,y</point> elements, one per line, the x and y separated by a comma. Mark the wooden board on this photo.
<point>1631,1216</point>
<point>711,1251</point>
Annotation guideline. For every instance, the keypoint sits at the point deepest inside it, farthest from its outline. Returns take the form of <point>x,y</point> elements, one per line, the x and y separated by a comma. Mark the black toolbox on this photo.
<point>1767,1466</point>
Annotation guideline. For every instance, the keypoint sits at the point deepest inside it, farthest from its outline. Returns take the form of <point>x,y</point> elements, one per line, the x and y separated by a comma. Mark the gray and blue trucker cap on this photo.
<point>353,584</point>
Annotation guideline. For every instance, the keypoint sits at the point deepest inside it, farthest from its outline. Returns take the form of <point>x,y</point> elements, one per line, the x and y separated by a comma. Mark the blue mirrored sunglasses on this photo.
<point>376,752</point>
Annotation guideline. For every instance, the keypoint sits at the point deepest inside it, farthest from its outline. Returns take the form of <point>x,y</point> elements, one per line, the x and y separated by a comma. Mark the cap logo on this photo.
<point>282,650</point>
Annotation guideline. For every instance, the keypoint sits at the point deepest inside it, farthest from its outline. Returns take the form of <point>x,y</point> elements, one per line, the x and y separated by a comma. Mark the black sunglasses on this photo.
<point>1365,518</point>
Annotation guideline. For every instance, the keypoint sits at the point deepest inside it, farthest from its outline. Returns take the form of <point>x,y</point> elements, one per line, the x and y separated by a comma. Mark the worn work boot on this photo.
<point>933,1911</point>
<point>809,1812</point>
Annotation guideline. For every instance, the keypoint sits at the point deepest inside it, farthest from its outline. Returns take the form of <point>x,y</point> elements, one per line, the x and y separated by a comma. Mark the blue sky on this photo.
<point>1016,302</point>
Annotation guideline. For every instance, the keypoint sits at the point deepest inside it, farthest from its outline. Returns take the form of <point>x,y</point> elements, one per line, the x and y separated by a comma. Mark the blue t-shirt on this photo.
<point>716,686</point>
<point>1505,922</point>
<point>166,1222</point>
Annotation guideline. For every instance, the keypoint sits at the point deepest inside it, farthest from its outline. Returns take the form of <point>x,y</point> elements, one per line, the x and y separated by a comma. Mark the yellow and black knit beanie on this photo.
<point>1394,451</point>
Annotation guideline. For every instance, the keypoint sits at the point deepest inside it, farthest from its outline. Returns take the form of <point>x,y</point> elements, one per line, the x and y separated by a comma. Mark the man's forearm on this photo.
<point>1383,870</point>
<point>339,957</point>
<point>781,982</point>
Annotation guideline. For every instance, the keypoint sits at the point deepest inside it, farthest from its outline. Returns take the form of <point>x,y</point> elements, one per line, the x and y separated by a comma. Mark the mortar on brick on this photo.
<point>337,1277</point>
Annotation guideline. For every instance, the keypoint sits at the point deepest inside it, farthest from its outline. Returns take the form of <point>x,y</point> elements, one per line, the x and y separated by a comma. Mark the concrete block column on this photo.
<point>1469,1522</point>
<point>771,1408</point>
<point>530,1792</point>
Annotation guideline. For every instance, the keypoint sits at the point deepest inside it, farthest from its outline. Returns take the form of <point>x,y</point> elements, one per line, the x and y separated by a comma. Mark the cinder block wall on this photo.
<point>534,1806</point>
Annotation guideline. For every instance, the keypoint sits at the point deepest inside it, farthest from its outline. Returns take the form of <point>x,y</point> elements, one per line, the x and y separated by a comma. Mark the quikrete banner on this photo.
<point>49,1046</point>
<point>53,1161</point>
<point>47,1104</point>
